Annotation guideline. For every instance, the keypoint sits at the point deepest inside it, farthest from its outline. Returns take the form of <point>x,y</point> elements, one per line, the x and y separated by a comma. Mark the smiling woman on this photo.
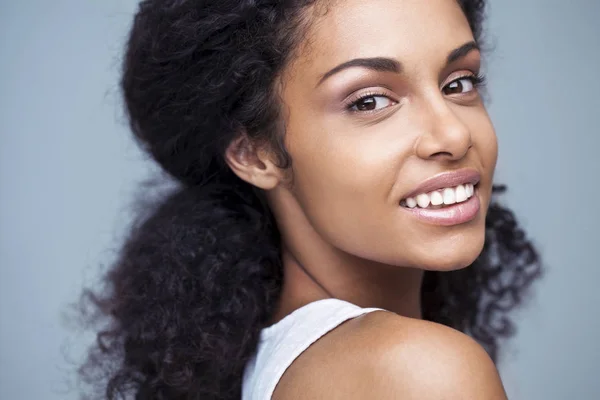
<point>335,216</point>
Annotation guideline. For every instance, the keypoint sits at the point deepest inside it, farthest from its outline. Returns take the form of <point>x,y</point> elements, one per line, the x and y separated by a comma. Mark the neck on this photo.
<point>314,269</point>
<point>361,282</point>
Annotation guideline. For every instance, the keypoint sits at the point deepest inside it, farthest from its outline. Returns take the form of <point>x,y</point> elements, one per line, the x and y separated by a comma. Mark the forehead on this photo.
<point>414,31</point>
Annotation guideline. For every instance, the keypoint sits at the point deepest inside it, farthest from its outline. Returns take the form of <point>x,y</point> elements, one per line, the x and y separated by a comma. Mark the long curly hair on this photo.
<point>200,273</point>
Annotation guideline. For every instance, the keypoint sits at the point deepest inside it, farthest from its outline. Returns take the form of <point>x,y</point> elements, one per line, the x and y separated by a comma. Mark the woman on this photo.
<point>334,229</point>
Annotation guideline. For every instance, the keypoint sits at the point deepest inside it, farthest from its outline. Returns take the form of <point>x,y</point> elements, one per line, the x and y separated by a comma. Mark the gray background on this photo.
<point>68,170</point>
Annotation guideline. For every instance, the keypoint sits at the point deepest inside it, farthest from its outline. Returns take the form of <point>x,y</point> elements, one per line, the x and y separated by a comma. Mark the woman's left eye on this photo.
<point>371,103</point>
<point>462,85</point>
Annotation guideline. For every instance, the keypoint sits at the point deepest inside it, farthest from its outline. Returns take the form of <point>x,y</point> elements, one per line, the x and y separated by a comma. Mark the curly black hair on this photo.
<point>200,273</point>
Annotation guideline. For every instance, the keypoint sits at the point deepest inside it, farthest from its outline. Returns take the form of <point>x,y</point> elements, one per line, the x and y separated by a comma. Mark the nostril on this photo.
<point>441,154</point>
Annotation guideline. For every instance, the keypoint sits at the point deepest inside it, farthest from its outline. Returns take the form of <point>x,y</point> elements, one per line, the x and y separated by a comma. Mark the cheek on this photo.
<point>343,176</point>
<point>487,141</point>
<point>483,137</point>
<point>489,148</point>
<point>485,146</point>
<point>489,158</point>
<point>336,154</point>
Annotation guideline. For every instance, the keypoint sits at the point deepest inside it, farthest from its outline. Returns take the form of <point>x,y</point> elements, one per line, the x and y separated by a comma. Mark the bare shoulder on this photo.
<point>385,356</point>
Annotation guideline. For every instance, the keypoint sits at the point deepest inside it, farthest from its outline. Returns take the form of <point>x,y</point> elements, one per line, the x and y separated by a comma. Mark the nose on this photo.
<point>445,136</point>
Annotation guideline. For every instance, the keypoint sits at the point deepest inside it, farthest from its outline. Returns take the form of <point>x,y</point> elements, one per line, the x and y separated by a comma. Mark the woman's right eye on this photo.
<point>371,103</point>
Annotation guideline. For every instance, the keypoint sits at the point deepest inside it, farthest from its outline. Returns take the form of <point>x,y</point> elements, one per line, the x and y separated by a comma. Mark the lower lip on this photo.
<point>455,214</point>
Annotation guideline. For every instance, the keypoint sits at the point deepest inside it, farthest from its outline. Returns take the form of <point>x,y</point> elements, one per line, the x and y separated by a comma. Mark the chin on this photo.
<point>449,264</point>
<point>450,255</point>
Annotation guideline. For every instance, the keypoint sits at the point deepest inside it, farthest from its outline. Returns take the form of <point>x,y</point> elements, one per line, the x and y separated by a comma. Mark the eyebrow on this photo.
<point>461,52</point>
<point>380,64</point>
<point>385,64</point>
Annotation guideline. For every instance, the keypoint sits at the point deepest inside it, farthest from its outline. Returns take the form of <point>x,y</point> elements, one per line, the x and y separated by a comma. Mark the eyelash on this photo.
<point>364,96</point>
<point>478,81</point>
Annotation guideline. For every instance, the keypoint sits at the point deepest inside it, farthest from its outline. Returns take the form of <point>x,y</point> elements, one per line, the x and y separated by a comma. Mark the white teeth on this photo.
<point>449,196</point>
<point>469,189</point>
<point>423,200</point>
<point>446,196</point>
<point>436,198</point>
<point>461,194</point>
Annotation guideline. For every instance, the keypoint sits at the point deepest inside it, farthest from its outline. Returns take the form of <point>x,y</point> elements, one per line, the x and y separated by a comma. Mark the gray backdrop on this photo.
<point>68,170</point>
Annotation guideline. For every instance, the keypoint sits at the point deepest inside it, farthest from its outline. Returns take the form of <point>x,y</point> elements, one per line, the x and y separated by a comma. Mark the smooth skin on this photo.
<point>361,139</point>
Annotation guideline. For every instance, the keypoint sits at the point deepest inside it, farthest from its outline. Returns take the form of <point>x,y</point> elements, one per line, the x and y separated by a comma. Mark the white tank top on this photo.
<point>280,344</point>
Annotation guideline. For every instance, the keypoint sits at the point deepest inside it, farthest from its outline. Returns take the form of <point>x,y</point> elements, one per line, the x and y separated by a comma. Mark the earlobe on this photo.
<point>252,164</point>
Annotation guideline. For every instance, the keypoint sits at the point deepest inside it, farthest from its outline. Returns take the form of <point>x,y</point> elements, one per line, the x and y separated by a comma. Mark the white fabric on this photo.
<point>280,344</point>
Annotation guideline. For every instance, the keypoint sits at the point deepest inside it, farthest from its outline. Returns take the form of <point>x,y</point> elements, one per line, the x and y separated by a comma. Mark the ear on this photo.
<point>253,165</point>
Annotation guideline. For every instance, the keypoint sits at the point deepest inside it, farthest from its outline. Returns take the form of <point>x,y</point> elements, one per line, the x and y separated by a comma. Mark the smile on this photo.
<point>440,198</point>
<point>446,199</point>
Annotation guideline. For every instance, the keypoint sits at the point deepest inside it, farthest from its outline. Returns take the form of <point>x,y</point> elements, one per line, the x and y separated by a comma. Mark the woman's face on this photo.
<point>380,99</point>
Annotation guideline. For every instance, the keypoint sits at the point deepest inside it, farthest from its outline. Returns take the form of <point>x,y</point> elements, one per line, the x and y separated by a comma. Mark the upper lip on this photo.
<point>446,180</point>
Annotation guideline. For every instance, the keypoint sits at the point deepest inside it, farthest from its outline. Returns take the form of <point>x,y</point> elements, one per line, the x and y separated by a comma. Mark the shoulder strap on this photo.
<point>281,343</point>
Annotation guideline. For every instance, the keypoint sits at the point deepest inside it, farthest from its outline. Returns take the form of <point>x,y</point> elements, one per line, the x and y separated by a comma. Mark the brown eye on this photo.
<point>371,103</point>
<point>459,86</point>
